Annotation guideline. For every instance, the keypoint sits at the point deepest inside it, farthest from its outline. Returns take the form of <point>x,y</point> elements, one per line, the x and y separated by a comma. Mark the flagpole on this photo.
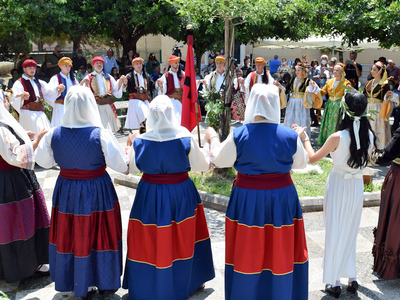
<point>198,126</point>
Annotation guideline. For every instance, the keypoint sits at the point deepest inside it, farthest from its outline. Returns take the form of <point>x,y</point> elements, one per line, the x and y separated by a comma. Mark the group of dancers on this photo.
<point>169,249</point>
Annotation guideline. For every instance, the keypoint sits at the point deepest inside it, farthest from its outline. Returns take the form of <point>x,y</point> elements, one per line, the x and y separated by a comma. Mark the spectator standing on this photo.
<point>151,64</point>
<point>274,65</point>
<point>353,69</point>
<point>323,68</point>
<point>331,65</point>
<point>114,73</point>
<point>13,79</point>
<point>109,61</point>
<point>246,69</point>
<point>284,68</point>
<point>52,61</point>
<point>78,60</point>
<point>18,63</point>
<point>394,72</point>
<point>128,62</point>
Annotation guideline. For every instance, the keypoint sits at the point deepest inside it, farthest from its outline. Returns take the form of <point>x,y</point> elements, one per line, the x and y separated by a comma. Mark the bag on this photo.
<point>238,107</point>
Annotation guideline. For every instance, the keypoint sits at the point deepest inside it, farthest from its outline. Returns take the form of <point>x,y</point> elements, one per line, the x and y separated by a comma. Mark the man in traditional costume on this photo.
<point>215,80</point>
<point>67,79</point>
<point>172,84</point>
<point>140,86</point>
<point>261,75</point>
<point>28,95</point>
<point>105,89</point>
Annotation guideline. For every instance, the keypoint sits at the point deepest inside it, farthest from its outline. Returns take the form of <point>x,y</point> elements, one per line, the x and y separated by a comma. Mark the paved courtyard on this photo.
<point>371,287</point>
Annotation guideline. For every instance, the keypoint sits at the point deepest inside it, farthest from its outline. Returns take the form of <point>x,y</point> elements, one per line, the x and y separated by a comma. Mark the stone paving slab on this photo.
<point>371,287</point>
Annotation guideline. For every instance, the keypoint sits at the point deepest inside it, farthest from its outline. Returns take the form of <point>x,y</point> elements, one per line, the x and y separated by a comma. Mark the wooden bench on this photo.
<point>121,105</point>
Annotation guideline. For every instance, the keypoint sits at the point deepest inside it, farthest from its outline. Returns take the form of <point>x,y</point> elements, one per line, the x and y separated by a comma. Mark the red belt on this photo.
<point>82,174</point>
<point>173,178</point>
<point>4,165</point>
<point>263,181</point>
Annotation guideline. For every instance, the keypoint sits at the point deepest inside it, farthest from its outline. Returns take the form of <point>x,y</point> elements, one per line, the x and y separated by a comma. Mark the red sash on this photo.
<point>5,165</point>
<point>78,174</point>
<point>173,178</point>
<point>263,181</point>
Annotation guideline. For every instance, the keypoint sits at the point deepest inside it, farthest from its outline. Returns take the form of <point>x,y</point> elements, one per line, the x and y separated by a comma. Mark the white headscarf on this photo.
<point>162,123</point>
<point>80,109</point>
<point>9,120</point>
<point>263,101</point>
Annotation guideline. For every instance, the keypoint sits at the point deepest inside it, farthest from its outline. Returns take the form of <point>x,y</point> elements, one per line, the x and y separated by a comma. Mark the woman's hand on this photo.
<point>131,137</point>
<point>210,133</point>
<point>300,131</point>
<point>35,142</point>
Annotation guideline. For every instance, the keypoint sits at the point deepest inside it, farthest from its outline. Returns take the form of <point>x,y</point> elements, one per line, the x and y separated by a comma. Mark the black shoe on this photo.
<point>352,287</point>
<point>333,291</point>
<point>102,292</point>
<point>315,124</point>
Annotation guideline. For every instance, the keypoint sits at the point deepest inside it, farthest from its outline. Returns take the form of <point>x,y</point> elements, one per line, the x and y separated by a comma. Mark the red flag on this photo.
<point>189,97</point>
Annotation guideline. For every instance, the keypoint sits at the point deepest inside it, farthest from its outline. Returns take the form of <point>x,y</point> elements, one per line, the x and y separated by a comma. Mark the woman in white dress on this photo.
<point>350,148</point>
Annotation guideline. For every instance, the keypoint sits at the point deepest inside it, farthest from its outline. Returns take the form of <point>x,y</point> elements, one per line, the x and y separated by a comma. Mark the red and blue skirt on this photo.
<point>85,233</point>
<point>266,253</point>
<point>24,224</point>
<point>169,250</point>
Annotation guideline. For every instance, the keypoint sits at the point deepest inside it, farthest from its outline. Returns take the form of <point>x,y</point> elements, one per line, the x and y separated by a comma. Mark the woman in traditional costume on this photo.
<point>375,90</point>
<point>265,244</point>
<point>304,95</point>
<point>25,222</point>
<point>169,250</point>
<point>386,249</point>
<point>335,88</point>
<point>86,232</point>
<point>67,79</point>
<point>350,148</point>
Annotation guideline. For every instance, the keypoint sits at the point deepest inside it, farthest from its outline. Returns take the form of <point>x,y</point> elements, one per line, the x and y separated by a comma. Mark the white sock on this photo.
<point>44,268</point>
<point>337,283</point>
<point>352,279</point>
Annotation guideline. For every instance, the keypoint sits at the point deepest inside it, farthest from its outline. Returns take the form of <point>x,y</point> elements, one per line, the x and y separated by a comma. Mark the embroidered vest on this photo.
<point>62,80</point>
<point>254,79</point>
<point>29,88</point>
<point>171,83</point>
<point>134,82</point>
<point>94,86</point>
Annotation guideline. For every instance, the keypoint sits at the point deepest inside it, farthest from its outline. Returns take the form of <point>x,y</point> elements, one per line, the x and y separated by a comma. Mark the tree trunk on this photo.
<point>199,55</point>
<point>76,43</point>
<point>226,114</point>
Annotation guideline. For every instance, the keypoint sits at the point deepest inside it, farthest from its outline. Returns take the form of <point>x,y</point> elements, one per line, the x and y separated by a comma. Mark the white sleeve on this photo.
<point>223,155</point>
<point>17,102</point>
<point>247,87</point>
<point>13,152</point>
<point>198,159</point>
<point>270,78</point>
<point>44,153</point>
<point>52,85</point>
<point>207,79</point>
<point>114,155</point>
<point>300,158</point>
<point>394,98</point>
<point>162,89</point>
<point>115,91</point>
<point>313,90</point>
<point>49,92</point>
<point>133,169</point>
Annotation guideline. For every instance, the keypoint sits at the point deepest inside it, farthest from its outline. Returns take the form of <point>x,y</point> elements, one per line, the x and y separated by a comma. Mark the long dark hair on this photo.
<point>265,75</point>
<point>357,104</point>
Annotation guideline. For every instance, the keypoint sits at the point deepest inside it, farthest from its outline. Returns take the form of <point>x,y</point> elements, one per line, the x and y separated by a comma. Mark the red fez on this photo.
<point>97,58</point>
<point>220,58</point>
<point>137,59</point>
<point>29,63</point>
<point>173,59</point>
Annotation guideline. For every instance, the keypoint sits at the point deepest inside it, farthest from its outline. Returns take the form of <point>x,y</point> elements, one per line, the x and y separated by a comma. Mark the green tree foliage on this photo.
<point>359,20</point>
<point>126,21</point>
